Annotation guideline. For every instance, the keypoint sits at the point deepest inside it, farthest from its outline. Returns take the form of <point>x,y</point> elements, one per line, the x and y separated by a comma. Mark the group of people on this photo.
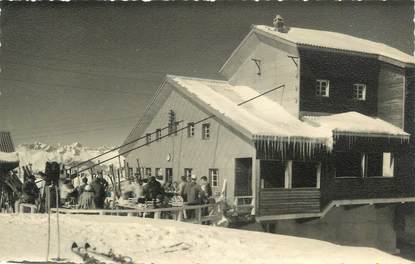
<point>92,195</point>
<point>85,196</point>
<point>190,192</point>
<point>88,195</point>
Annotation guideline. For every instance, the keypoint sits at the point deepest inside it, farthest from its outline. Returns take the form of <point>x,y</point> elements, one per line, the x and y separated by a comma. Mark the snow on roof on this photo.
<point>261,117</point>
<point>9,157</point>
<point>358,124</point>
<point>334,40</point>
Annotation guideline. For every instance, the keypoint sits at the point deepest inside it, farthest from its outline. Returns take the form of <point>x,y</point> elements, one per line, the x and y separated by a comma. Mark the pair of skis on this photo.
<point>91,259</point>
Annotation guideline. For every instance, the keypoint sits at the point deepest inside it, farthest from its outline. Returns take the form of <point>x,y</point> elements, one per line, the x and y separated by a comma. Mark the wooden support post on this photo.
<point>130,214</point>
<point>180,215</point>
<point>157,215</point>
<point>119,164</point>
<point>199,215</point>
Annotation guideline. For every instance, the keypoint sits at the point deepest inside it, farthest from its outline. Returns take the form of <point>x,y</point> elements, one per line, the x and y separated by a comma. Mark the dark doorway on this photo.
<point>169,175</point>
<point>243,176</point>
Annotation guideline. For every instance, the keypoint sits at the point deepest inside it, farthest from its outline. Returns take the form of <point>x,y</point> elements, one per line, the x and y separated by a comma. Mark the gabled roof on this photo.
<point>260,119</point>
<point>257,119</point>
<point>330,41</point>
<point>337,41</point>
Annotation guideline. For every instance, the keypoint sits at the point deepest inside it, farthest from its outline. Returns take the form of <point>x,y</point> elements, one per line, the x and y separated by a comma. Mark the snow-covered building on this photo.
<point>315,126</point>
<point>9,184</point>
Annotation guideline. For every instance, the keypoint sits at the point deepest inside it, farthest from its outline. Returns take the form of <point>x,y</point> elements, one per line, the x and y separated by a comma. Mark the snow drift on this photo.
<point>23,237</point>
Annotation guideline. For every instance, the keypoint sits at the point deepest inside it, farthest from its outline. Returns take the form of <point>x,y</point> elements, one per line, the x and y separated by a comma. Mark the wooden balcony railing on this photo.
<point>289,201</point>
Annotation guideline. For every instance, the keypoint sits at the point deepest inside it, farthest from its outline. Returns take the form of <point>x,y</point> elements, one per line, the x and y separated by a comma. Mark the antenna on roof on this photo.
<point>279,24</point>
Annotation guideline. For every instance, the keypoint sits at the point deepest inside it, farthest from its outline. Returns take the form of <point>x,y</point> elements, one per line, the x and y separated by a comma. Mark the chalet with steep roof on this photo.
<point>314,127</point>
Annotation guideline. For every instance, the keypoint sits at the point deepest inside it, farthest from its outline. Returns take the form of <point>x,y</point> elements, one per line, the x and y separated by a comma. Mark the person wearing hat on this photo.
<point>86,200</point>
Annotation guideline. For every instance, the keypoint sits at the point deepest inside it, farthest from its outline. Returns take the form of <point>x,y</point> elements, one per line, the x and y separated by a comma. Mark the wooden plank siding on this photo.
<point>391,94</point>
<point>289,201</point>
<point>342,71</point>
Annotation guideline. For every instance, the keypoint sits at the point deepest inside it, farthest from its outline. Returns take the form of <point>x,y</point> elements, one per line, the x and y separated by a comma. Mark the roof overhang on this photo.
<point>354,124</point>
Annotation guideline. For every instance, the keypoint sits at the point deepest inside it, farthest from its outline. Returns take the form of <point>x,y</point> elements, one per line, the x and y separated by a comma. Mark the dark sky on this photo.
<point>85,71</point>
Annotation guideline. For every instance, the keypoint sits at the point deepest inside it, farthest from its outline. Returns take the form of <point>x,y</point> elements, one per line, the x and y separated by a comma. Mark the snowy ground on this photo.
<point>24,237</point>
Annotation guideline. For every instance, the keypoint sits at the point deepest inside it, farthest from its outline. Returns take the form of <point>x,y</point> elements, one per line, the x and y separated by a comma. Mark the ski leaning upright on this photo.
<point>110,255</point>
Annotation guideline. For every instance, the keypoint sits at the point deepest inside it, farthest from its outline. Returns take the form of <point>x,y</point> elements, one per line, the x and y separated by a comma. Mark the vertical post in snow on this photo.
<point>57,221</point>
<point>120,166</point>
<point>119,180</point>
<point>48,211</point>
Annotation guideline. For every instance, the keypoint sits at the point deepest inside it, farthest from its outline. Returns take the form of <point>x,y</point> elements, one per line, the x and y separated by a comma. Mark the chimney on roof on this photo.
<point>279,24</point>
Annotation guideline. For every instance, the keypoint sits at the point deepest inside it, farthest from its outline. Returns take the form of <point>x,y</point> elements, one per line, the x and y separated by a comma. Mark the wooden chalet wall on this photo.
<point>345,188</point>
<point>275,68</point>
<point>343,71</point>
<point>391,94</point>
<point>218,152</point>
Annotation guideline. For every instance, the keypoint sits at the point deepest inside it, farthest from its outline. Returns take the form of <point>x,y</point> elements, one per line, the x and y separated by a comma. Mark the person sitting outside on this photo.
<point>30,191</point>
<point>86,200</point>
<point>68,192</point>
<point>152,189</point>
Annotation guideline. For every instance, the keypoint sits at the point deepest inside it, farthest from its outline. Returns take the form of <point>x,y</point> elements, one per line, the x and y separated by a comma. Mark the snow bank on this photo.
<point>336,40</point>
<point>23,237</point>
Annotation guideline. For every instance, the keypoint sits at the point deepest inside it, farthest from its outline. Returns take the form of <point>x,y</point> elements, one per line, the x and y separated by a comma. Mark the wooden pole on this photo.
<point>120,166</point>
<point>119,180</point>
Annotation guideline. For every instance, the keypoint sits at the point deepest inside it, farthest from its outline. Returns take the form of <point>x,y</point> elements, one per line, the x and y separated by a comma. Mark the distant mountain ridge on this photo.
<point>38,153</point>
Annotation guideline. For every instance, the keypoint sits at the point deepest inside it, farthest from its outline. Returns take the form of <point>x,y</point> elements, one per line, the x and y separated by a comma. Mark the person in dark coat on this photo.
<point>98,186</point>
<point>152,189</point>
<point>206,190</point>
<point>182,188</point>
<point>30,191</point>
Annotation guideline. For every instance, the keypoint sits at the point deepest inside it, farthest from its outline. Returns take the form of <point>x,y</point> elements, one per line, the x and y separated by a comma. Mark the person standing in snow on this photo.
<point>82,186</point>
<point>30,191</point>
<point>87,198</point>
<point>206,190</point>
<point>194,192</point>
<point>98,185</point>
<point>182,188</point>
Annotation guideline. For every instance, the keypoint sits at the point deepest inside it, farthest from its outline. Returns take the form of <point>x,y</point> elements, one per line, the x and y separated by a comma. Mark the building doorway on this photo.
<point>243,176</point>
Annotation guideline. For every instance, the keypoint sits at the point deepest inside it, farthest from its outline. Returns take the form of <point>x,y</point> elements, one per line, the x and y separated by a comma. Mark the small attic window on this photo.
<point>322,88</point>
